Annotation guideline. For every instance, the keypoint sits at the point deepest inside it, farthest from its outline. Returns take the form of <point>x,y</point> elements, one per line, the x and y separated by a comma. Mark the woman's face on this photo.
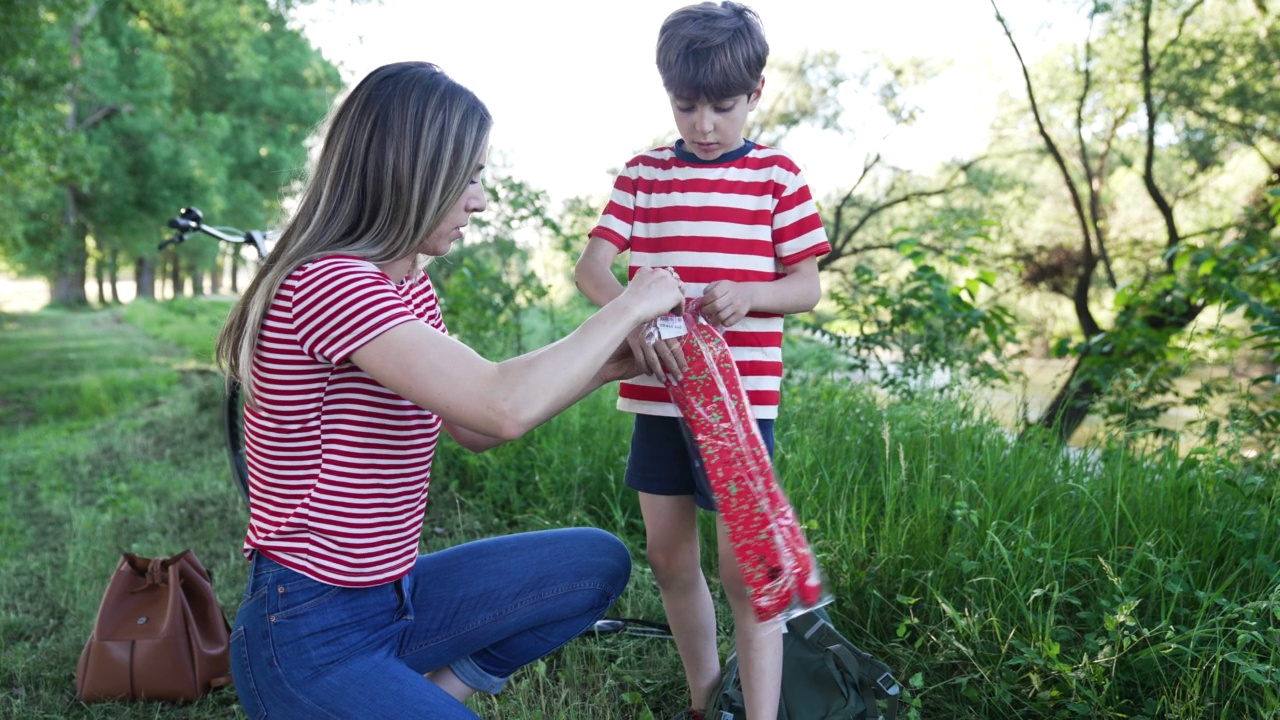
<point>450,229</point>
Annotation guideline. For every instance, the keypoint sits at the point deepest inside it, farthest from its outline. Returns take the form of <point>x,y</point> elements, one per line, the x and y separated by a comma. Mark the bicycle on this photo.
<point>191,220</point>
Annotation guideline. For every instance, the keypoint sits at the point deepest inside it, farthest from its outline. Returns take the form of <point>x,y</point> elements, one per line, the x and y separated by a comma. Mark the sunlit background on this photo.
<point>574,90</point>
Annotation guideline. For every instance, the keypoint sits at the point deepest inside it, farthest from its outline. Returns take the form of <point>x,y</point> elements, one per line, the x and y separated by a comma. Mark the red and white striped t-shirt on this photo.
<point>338,465</point>
<point>741,217</point>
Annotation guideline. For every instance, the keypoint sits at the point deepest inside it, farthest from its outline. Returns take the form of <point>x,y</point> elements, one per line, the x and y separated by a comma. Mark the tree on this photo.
<point>159,103</point>
<point>1143,98</point>
<point>806,92</point>
<point>906,268</point>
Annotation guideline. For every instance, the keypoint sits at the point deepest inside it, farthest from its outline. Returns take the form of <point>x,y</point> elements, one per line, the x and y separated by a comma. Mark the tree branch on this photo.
<point>1093,180</point>
<point>1081,296</point>
<point>1245,131</point>
<point>1148,170</point>
<point>103,113</point>
<point>843,239</point>
<point>1182,25</point>
<point>838,221</point>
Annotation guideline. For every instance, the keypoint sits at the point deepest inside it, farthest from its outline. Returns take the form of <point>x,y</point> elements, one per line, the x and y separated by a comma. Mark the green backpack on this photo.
<point>824,677</point>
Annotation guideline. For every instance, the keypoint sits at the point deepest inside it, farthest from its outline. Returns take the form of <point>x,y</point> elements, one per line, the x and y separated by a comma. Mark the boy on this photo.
<point>738,224</point>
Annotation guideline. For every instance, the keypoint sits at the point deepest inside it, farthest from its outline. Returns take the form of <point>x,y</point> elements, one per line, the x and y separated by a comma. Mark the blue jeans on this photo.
<point>304,649</point>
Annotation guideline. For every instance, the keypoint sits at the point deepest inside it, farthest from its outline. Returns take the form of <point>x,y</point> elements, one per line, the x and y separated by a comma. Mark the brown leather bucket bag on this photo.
<point>159,634</point>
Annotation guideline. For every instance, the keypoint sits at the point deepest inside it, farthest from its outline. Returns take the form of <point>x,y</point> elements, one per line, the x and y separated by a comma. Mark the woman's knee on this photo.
<point>605,558</point>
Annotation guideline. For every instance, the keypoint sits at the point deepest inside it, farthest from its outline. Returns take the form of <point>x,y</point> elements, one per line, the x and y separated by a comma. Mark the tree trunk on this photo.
<point>175,276</point>
<point>100,277</point>
<point>144,274</point>
<point>235,272</point>
<point>67,285</point>
<point>197,281</point>
<point>1070,405</point>
<point>215,277</point>
<point>113,274</point>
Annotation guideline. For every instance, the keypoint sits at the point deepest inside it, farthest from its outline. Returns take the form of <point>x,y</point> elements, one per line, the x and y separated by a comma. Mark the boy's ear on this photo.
<point>754,98</point>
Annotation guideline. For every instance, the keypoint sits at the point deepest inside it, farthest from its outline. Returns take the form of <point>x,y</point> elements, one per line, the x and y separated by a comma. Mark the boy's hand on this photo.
<point>625,363</point>
<point>661,358</point>
<point>726,302</point>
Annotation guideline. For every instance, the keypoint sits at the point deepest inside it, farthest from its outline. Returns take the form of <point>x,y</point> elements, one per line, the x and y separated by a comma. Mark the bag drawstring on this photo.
<point>156,575</point>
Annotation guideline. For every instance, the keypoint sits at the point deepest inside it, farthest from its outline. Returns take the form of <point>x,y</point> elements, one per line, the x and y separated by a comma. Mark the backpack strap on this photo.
<point>869,689</point>
<point>874,678</point>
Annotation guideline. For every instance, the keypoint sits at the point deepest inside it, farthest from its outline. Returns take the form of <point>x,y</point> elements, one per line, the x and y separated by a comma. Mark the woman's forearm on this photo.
<point>542,383</point>
<point>507,399</point>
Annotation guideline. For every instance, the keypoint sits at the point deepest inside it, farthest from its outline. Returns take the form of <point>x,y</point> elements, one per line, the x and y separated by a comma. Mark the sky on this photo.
<point>574,91</point>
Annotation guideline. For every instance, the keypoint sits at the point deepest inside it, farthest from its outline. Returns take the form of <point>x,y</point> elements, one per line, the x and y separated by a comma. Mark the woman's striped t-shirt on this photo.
<point>741,217</point>
<point>339,465</point>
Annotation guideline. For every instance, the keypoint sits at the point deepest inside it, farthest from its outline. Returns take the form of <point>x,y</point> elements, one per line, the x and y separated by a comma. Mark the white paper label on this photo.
<point>671,326</point>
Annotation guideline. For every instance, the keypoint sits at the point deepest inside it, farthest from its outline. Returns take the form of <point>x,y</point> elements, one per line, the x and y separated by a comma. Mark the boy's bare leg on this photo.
<point>759,646</point>
<point>671,532</point>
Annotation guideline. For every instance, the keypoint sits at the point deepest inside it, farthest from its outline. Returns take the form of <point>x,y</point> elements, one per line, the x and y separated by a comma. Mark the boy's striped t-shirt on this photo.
<point>339,466</point>
<point>743,217</point>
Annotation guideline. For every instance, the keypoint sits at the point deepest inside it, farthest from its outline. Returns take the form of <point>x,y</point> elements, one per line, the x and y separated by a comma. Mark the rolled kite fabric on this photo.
<point>780,570</point>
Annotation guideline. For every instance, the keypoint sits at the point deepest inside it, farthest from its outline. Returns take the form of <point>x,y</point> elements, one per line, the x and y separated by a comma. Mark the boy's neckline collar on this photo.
<point>685,155</point>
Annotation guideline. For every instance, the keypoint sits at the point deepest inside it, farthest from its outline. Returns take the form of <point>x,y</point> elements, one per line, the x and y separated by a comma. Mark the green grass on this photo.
<point>1000,579</point>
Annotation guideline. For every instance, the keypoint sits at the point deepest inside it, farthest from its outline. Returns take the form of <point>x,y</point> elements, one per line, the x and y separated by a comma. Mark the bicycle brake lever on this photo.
<point>649,632</point>
<point>638,628</point>
<point>608,626</point>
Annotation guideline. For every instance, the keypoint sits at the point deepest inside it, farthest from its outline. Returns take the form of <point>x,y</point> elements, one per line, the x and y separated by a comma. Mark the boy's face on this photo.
<point>711,128</point>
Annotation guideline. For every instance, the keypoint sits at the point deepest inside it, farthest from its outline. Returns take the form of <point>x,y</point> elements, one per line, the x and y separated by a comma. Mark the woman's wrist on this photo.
<point>629,317</point>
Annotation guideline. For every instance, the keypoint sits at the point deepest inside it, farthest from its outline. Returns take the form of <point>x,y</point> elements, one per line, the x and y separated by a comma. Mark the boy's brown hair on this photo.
<point>711,51</point>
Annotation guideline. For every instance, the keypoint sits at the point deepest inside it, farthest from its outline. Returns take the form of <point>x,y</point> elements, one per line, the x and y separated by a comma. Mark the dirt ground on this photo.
<point>25,295</point>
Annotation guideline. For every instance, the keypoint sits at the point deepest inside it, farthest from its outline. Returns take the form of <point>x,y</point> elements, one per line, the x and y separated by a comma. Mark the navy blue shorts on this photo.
<point>663,462</point>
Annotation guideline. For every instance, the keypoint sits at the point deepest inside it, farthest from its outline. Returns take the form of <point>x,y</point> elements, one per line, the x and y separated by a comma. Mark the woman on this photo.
<point>350,378</point>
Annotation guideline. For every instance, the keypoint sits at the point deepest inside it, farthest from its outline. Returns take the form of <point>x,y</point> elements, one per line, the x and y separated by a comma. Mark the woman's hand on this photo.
<point>654,291</point>
<point>621,365</point>
<point>655,285</point>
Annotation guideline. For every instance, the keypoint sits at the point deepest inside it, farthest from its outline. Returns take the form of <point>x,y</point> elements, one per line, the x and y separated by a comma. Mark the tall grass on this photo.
<point>1011,580</point>
<point>999,578</point>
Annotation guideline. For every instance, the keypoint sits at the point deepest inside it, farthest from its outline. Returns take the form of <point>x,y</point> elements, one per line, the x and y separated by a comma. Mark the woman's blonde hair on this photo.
<point>398,153</point>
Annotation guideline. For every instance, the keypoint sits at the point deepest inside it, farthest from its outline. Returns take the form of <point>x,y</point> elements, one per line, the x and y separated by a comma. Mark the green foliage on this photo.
<point>1241,278</point>
<point>907,329</point>
<point>34,152</point>
<point>487,284</point>
<point>801,92</point>
<point>121,113</point>
<point>1153,348</point>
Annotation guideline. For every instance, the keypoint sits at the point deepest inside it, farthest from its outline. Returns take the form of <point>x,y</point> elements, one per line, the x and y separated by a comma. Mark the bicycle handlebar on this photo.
<point>190,220</point>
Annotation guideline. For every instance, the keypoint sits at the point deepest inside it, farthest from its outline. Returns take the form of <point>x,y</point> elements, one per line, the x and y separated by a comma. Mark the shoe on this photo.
<point>689,714</point>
